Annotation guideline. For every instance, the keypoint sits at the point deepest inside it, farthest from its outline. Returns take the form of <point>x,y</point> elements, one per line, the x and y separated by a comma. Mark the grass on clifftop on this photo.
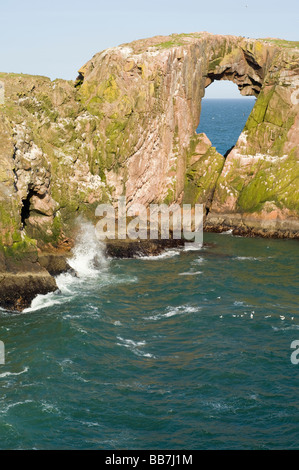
<point>177,40</point>
<point>283,42</point>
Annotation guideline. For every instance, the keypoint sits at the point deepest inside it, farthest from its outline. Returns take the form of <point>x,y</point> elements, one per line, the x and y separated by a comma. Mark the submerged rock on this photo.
<point>54,263</point>
<point>18,290</point>
<point>139,248</point>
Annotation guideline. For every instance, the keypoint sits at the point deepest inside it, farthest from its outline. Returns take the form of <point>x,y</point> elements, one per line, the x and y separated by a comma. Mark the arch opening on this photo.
<point>224,114</point>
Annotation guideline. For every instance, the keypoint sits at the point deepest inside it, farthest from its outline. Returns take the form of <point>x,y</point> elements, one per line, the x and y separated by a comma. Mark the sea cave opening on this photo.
<point>224,113</point>
<point>25,211</point>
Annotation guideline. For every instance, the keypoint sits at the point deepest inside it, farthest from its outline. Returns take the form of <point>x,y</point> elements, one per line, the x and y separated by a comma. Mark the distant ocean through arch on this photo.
<point>224,119</point>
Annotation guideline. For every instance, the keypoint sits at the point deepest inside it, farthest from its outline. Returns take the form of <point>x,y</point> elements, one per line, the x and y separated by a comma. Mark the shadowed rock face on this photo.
<point>127,126</point>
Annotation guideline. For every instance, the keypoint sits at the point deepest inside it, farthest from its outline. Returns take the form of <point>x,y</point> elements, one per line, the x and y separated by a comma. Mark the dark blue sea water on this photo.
<point>188,350</point>
<point>223,120</point>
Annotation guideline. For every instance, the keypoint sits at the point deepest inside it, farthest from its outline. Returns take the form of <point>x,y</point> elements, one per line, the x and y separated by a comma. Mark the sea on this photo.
<point>192,349</point>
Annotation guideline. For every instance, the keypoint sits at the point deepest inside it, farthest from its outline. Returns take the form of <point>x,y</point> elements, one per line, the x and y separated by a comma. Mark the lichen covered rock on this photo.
<point>148,94</point>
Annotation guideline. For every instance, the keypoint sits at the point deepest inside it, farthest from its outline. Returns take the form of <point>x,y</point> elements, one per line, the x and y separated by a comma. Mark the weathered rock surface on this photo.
<point>140,248</point>
<point>21,279</point>
<point>157,150</point>
<point>127,126</point>
<point>55,263</point>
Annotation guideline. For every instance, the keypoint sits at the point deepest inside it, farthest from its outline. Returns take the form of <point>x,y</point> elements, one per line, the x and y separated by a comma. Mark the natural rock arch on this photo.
<point>247,74</point>
<point>128,127</point>
<point>160,83</point>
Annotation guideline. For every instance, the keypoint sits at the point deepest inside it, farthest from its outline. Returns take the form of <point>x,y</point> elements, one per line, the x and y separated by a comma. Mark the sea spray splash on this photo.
<point>88,261</point>
<point>88,253</point>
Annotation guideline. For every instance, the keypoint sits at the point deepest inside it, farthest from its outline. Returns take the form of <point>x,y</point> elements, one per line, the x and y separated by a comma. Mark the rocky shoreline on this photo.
<point>21,282</point>
<point>251,227</point>
<point>17,291</point>
<point>20,285</point>
<point>21,279</point>
<point>140,248</point>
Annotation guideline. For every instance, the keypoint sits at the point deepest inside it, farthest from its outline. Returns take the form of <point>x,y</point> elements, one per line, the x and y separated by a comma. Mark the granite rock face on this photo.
<point>127,126</point>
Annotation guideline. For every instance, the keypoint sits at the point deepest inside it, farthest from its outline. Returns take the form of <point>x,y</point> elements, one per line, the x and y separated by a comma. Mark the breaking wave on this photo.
<point>173,311</point>
<point>88,262</point>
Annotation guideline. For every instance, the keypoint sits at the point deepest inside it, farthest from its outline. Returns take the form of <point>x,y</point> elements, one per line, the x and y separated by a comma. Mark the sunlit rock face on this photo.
<point>151,91</point>
<point>148,94</point>
<point>127,126</point>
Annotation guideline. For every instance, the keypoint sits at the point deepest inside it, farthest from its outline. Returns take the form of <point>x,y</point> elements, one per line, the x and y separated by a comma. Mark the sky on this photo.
<point>55,38</point>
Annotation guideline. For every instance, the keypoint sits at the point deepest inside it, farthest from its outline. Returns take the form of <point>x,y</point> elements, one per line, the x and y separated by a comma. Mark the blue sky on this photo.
<point>55,38</point>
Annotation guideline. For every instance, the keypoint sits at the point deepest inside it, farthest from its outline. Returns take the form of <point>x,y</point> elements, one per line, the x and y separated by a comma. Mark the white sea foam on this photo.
<point>50,408</point>
<point>193,247</point>
<point>247,258</point>
<point>88,261</point>
<point>171,312</point>
<point>166,254</point>
<point>45,301</point>
<point>220,406</point>
<point>8,374</point>
<point>89,424</point>
<point>88,254</point>
<point>130,343</point>
<point>198,261</point>
<point>286,328</point>
<point>12,405</point>
<point>134,346</point>
<point>192,273</point>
